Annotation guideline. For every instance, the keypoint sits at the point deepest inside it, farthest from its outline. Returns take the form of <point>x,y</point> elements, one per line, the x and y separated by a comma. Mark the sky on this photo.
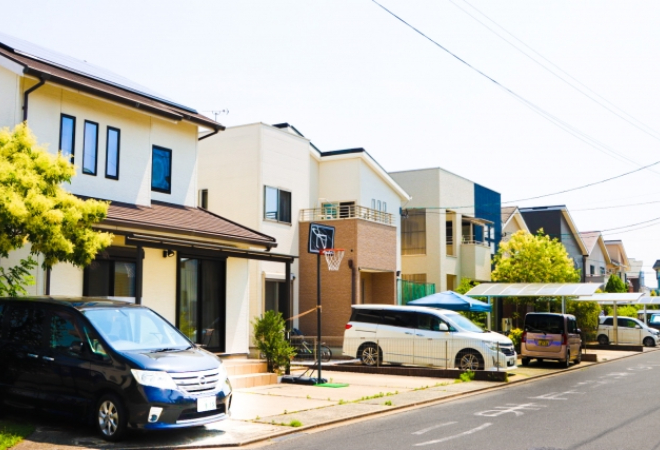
<point>347,74</point>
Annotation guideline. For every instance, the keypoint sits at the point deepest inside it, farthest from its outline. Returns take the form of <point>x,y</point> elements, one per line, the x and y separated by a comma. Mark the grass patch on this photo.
<point>467,376</point>
<point>11,433</point>
<point>295,423</point>
<point>388,403</point>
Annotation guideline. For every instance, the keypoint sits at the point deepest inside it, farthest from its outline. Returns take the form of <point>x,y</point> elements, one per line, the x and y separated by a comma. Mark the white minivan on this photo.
<point>631,332</point>
<point>426,337</point>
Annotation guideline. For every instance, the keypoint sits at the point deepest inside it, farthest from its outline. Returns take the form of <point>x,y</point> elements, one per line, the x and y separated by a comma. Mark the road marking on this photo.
<point>556,395</point>
<point>448,438</point>
<point>510,408</point>
<point>640,368</point>
<point>433,427</point>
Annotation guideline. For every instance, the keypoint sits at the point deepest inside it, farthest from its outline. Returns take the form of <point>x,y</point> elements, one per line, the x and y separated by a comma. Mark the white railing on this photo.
<point>346,212</point>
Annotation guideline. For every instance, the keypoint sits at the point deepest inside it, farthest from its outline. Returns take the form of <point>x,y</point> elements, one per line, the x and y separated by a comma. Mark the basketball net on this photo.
<point>333,257</point>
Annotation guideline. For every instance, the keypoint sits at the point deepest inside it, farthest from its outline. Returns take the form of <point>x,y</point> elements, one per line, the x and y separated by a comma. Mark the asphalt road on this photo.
<point>603,407</point>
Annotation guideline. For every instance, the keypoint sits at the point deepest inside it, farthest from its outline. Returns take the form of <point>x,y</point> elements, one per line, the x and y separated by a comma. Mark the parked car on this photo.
<point>652,317</point>
<point>551,336</point>
<point>424,336</point>
<point>631,332</point>
<point>115,364</point>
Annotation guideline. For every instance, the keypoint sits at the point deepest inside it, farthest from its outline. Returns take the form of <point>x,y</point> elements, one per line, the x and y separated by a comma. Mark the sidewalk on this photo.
<point>274,411</point>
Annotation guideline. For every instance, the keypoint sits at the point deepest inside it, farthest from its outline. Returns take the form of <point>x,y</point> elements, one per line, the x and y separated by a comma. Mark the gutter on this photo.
<point>42,80</point>
<point>217,130</point>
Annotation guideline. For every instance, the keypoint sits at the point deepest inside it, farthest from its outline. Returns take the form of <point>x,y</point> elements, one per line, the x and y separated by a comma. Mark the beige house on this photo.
<point>138,150</point>
<point>619,258</point>
<point>512,222</point>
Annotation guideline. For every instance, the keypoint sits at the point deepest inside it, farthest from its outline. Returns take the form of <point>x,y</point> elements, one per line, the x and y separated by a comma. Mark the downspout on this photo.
<point>42,81</point>
<point>584,269</point>
<point>217,130</point>
<point>352,267</point>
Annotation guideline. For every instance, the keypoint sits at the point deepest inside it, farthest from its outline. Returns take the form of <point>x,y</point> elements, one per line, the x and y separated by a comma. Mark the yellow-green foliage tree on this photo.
<point>35,209</point>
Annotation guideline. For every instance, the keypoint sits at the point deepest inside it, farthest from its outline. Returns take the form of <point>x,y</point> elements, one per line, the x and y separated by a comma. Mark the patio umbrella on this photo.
<point>453,301</point>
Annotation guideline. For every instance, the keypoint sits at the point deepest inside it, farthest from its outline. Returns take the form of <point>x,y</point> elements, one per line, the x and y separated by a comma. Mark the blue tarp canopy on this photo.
<point>453,301</point>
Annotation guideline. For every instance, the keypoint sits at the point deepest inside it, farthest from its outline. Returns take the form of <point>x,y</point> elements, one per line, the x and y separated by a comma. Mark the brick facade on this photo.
<point>370,258</point>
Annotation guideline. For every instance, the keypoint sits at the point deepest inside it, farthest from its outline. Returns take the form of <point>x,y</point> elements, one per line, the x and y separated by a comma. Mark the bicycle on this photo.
<point>307,351</point>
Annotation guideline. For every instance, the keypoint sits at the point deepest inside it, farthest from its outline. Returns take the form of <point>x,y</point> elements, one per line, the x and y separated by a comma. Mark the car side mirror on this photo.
<point>444,327</point>
<point>76,347</point>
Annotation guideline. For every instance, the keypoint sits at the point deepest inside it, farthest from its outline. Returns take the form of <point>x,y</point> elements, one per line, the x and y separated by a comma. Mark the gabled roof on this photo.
<point>619,244</point>
<point>38,62</point>
<point>507,213</point>
<point>184,220</point>
<point>569,220</point>
<point>593,238</point>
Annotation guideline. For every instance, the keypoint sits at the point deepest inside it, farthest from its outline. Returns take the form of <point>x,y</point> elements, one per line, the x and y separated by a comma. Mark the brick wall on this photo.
<point>370,246</point>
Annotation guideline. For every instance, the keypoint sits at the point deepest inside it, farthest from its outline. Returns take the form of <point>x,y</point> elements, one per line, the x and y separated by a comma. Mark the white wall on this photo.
<point>66,279</point>
<point>10,102</point>
<point>238,320</point>
<point>159,283</point>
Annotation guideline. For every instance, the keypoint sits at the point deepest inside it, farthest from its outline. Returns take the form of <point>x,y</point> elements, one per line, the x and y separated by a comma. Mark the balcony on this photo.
<point>346,211</point>
<point>475,259</point>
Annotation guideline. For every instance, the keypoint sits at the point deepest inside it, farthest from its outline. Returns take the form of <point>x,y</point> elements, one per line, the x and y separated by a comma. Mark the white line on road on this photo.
<point>433,427</point>
<point>448,438</point>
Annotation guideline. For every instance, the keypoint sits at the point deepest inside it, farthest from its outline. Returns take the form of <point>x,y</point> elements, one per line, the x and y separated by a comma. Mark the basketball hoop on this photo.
<point>333,256</point>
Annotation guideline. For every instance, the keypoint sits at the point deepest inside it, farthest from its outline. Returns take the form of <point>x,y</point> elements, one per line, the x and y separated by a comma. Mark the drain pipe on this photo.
<point>42,81</point>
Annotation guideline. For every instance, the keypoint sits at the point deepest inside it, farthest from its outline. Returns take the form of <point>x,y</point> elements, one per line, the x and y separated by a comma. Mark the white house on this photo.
<point>138,150</point>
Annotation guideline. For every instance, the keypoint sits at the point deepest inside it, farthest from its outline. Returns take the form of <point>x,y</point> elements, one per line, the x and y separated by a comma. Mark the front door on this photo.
<point>202,301</point>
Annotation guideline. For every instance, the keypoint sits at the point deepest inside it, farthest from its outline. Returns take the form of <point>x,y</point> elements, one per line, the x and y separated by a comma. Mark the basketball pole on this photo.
<point>318,317</point>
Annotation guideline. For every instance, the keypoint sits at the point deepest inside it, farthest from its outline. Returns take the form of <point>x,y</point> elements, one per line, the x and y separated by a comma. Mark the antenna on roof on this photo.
<point>220,112</point>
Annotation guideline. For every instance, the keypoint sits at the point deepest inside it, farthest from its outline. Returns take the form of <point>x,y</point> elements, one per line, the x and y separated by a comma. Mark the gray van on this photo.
<point>551,336</point>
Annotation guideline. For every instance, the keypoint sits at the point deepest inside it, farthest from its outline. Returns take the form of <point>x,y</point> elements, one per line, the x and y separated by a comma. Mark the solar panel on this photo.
<point>71,64</point>
<point>533,289</point>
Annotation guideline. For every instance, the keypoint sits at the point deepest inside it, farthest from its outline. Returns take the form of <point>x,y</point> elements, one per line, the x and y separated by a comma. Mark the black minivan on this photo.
<point>116,364</point>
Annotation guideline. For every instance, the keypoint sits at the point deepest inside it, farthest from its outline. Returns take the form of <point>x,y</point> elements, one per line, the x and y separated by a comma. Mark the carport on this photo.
<point>554,290</point>
<point>613,299</point>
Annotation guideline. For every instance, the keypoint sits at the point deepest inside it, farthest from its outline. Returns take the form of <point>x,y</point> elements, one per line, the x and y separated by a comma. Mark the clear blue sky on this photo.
<point>347,74</point>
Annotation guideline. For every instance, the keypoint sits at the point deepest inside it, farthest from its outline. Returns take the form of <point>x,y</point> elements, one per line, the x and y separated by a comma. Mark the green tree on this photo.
<point>270,340</point>
<point>35,209</point>
<point>653,293</point>
<point>465,285</point>
<point>615,285</point>
<point>587,315</point>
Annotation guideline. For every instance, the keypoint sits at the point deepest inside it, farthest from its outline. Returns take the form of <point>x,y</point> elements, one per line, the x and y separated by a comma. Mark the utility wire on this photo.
<point>630,119</point>
<point>538,110</point>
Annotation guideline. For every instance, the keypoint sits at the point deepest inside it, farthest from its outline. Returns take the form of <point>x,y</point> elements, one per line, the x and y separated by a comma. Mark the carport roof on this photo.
<point>533,289</point>
<point>613,297</point>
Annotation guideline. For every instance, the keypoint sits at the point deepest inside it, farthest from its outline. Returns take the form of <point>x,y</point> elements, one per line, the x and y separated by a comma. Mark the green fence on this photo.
<point>409,290</point>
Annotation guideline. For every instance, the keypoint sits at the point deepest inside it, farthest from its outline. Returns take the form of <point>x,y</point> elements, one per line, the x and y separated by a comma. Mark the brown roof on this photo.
<point>507,211</point>
<point>107,90</point>
<point>167,217</point>
<point>590,239</point>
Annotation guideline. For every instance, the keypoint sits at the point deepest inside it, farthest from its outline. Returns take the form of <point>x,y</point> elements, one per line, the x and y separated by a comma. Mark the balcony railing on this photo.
<point>346,212</point>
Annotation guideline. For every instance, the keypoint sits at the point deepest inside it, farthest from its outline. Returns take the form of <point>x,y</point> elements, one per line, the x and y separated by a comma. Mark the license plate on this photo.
<point>205,404</point>
<point>544,343</point>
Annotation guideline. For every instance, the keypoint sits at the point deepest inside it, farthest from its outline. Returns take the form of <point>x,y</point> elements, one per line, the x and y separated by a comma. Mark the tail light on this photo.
<point>349,326</point>
<point>564,340</point>
<point>524,337</point>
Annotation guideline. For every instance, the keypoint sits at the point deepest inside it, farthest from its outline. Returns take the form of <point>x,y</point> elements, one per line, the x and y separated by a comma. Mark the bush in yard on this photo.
<point>516,337</point>
<point>270,340</point>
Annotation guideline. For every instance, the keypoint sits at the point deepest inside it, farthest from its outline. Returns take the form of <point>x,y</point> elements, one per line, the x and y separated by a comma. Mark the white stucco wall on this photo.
<point>66,279</point>
<point>159,283</point>
<point>10,105</point>
<point>238,320</point>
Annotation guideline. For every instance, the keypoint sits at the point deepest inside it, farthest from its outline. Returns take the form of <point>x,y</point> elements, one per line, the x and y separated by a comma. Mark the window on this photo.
<point>384,206</point>
<point>413,233</point>
<point>67,135</point>
<point>161,170</point>
<point>63,334</point>
<point>592,270</point>
<point>90,147</point>
<point>449,235</point>
<point>25,325</point>
<point>110,278</point>
<point>379,206</point>
<point>204,198</point>
<point>277,204</point>
<point>112,154</point>
<point>373,203</point>
<point>602,270</point>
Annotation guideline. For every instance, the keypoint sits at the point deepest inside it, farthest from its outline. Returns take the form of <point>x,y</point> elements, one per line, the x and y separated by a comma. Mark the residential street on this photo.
<point>609,406</point>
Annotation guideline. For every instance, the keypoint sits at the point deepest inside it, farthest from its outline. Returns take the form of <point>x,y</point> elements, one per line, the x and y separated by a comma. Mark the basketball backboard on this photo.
<point>320,237</point>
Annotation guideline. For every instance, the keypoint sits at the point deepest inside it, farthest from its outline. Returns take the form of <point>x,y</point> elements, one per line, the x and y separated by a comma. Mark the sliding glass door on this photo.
<point>202,301</point>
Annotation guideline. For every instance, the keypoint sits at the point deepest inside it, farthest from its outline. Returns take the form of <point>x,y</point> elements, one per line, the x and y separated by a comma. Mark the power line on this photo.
<point>637,123</point>
<point>538,110</point>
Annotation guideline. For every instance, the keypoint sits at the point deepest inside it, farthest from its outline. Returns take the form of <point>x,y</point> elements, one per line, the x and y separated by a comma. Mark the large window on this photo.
<point>90,147</point>
<point>277,204</point>
<point>67,135</point>
<point>112,153</point>
<point>161,170</point>
<point>413,233</point>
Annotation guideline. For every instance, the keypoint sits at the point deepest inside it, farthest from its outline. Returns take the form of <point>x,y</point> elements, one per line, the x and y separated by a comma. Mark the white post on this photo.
<point>645,314</point>
<point>615,324</point>
<point>489,325</point>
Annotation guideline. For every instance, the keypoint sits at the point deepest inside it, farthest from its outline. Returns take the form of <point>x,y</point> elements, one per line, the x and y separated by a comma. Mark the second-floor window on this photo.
<point>90,147</point>
<point>277,204</point>
<point>112,154</point>
<point>592,270</point>
<point>67,135</point>
<point>161,170</point>
<point>413,233</point>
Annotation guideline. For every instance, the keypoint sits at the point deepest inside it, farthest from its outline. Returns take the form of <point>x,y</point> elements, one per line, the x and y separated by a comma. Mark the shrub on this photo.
<point>467,376</point>
<point>270,340</point>
<point>516,336</point>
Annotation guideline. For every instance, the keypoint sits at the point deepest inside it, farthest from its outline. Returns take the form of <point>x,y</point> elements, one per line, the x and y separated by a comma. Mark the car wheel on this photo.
<point>469,360</point>
<point>567,363</point>
<point>603,340</point>
<point>369,355</point>
<point>525,361</point>
<point>111,418</point>
<point>649,342</point>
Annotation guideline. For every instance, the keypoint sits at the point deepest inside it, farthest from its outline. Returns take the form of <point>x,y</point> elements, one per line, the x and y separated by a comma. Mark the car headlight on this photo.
<point>161,380</point>
<point>492,346</point>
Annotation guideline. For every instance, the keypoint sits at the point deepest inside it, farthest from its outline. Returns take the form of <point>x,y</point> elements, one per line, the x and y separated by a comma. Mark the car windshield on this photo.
<point>465,324</point>
<point>541,323</point>
<point>136,329</point>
